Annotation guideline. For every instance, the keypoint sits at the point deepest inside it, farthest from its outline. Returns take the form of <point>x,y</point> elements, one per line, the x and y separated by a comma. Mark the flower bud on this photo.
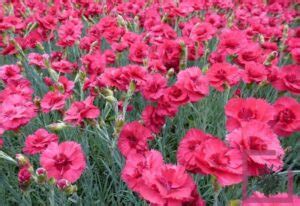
<point>62,184</point>
<point>24,178</point>
<point>57,126</point>
<point>22,160</point>
<point>107,92</point>
<point>71,189</point>
<point>41,174</point>
<point>170,73</point>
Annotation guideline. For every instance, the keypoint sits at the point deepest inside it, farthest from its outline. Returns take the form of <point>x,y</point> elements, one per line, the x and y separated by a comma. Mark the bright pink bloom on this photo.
<point>254,73</point>
<point>202,32</point>
<point>63,66</point>
<point>53,101</point>
<point>81,110</point>
<point>287,117</point>
<point>16,111</point>
<point>38,59</point>
<point>221,75</point>
<point>154,87</point>
<point>289,79</point>
<point>260,145</point>
<point>187,150</point>
<point>176,95</point>
<point>39,141</point>
<point>133,138</point>
<point>138,52</point>
<point>216,158</point>
<point>259,199</point>
<point>8,72</point>
<point>69,32</point>
<point>64,161</point>
<point>152,119</point>
<point>240,111</point>
<point>194,83</point>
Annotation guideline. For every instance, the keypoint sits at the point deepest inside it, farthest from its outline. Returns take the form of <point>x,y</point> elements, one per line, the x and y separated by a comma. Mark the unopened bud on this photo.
<point>170,73</point>
<point>22,160</point>
<point>57,126</point>
<point>62,184</point>
<point>41,175</point>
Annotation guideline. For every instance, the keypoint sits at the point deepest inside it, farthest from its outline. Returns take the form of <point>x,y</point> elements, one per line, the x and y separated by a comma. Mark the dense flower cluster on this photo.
<point>74,56</point>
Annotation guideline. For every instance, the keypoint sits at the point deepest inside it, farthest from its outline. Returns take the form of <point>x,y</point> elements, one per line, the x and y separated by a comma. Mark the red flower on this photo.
<point>261,146</point>
<point>53,101</point>
<point>193,83</point>
<point>154,87</point>
<point>289,79</point>
<point>240,111</point>
<point>39,141</point>
<point>81,110</point>
<point>133,138</point>
<point>152,119</point>
<point>221,75</point>
<point>254,73</point>
<point>63,161</point>
<point>287,117</point>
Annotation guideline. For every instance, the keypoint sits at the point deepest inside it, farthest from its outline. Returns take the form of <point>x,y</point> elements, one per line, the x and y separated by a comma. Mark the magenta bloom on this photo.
<point>64,161</point>
<point>39,141</point>
<point>81,110</point>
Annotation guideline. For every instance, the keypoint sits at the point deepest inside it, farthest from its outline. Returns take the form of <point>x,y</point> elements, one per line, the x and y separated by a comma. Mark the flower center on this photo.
<point>246,114</point>
<point>286,116</point>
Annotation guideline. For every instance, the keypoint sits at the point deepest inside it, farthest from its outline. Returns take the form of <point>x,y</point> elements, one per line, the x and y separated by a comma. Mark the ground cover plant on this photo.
<point>163,103</point>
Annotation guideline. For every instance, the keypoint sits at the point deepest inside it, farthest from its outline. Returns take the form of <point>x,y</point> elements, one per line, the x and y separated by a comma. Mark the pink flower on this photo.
<point>69,32</point>
<point>81,110</point>
<point>138,52</point>
<point>133,138</point>
<point>261,146</point>
<point>289,79</point>
<point>39,141</point>
<point>16,111</point>
<point>221,75</point>
<point>187,150</point>
<point>153,87</point>
<point>194,83</point>
<point>240,111</point>
<point>38,59</point>
<point>254,73</point>
<point>63,161</point>
<point>8,72</point>
<point>63,66</point>
<point>216,158</point>
<point>259,199</point>
<point>152,119</point>
<point>53,101</point>
<point>287,116</point>
<point>169,185</point>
